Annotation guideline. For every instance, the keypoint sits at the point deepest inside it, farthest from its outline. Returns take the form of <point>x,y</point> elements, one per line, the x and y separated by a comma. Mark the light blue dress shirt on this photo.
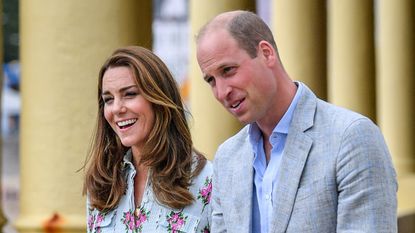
<point>265,177</point>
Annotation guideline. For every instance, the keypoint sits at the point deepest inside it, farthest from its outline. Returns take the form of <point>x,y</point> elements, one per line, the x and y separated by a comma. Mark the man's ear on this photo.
<point>268,52</point>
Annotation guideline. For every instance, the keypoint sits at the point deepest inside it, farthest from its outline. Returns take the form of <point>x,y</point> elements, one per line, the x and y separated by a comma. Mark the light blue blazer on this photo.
<point>336,175</point>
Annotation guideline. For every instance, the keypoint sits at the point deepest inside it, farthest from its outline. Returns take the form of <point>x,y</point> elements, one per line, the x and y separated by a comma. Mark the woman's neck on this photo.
<point>140,179</point>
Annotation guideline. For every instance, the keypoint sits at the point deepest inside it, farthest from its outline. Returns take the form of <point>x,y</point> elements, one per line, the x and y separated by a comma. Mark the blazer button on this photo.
<point>267,197</point>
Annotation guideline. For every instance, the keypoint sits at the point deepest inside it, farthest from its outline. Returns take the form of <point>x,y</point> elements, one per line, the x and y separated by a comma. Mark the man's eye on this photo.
<point>210,80</point>
<point>228,70</point>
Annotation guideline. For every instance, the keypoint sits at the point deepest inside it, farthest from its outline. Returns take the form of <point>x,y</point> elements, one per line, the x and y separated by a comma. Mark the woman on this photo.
<point>143,174</point>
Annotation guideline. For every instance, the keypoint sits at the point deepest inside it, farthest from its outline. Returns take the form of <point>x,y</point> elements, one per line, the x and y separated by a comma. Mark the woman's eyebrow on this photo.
<point>121,90</point>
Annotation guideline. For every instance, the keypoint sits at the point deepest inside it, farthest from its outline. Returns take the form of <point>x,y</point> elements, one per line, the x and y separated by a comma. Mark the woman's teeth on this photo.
<point>126,122</point>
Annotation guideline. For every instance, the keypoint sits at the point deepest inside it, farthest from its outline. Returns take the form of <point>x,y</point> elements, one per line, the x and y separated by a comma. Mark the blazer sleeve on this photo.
<point>218,224</point>
<point>366,181</point>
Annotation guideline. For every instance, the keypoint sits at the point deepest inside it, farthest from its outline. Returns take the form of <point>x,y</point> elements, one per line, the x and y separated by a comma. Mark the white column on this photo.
<point>63,45</point>
<point>299,28</point>
<point>396,80</point>
<point>351,76</point>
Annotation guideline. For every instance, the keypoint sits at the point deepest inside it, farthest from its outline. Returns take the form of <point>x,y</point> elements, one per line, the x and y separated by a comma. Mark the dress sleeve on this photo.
<point>204,198</point>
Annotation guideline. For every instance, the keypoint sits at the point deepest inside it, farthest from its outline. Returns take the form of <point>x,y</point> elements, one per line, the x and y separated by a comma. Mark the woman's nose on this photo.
<point>118,107</point>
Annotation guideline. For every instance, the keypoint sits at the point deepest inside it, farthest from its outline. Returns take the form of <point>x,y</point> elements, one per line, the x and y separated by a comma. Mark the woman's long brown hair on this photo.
<point>167,151</point>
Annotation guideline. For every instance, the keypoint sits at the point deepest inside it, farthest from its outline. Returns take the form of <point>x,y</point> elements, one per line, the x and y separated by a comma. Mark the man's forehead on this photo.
<point>213,33</point>
<point>216,41</point>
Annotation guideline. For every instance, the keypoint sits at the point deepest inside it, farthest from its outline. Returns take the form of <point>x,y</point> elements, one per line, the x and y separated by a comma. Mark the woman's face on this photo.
<point>130,115</point>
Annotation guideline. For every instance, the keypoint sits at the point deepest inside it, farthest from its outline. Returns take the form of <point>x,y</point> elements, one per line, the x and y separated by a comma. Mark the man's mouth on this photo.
<point>236,104</point>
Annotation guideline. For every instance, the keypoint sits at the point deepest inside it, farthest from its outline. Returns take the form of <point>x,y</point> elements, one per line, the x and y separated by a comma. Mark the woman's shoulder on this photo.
<point>202,182</point>
<point>205,175</point>
<point>201,188</point>
<point>205,171</point>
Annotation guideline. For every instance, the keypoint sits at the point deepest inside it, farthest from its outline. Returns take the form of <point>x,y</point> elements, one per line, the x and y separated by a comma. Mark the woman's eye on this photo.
<point>107,99</point>
<point>130,93</point>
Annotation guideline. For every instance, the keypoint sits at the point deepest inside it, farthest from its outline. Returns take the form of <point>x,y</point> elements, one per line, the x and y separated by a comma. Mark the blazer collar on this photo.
<point>303,116</point>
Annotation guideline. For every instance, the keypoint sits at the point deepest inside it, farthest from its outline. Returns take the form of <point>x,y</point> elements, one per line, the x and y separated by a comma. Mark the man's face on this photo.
<point>243,85</point>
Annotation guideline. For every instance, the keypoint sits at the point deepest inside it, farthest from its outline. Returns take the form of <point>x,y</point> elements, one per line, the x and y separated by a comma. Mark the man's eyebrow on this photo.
<point>221,67</point>
<point>121,90</point>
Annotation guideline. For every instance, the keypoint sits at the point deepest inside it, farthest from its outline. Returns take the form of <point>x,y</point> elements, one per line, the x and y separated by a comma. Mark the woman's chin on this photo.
<point>126,143</point>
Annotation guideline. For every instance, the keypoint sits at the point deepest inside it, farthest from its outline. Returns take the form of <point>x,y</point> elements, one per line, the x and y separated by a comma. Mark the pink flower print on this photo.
<point>100,218</point>
<point>91,220</point>
<point>205,192</point>
<point>94,221</point>
<point>175,217</point>
<point>175,220</point>
<point>134,222</point>
<point>127,218</point>
<point>206,229</point>
<point>131,225</point>
<point>142,217</point>
<point>180,222</point>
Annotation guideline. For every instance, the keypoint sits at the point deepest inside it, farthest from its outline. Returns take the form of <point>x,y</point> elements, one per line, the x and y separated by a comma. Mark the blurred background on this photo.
<point>359,54</point>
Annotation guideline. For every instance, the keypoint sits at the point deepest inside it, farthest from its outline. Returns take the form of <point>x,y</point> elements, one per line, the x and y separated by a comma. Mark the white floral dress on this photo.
<point>151,216</point>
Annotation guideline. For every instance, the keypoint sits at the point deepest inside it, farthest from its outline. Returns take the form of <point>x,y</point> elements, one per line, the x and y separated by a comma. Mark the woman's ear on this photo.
<point>267,51</point>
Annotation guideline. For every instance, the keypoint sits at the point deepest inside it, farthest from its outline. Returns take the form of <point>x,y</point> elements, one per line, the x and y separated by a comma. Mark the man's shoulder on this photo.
<point>337,115</point>
<point>232,145</point>
<point>311,110</point>
<point>236,140</point>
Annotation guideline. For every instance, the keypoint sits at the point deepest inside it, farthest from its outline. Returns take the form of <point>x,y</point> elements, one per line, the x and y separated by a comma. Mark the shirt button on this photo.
<point>267,197</point>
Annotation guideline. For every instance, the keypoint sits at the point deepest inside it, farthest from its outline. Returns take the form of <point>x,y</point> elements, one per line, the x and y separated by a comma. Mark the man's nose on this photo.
<point>222,90</point>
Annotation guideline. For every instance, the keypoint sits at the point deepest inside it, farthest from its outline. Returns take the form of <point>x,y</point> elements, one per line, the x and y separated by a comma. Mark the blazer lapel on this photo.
<point>242,187</point>
<point>293,160</point>
<point>291,168</point>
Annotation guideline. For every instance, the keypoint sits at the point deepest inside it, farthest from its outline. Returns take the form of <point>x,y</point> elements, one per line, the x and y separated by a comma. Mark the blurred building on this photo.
<point>171,38</point>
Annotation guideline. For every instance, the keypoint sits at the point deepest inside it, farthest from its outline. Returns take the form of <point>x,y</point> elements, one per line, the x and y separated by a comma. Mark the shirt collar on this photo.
<point>285,122</point>
<point>254,134</point>
<point>283,125</point>
<point>128,158</point>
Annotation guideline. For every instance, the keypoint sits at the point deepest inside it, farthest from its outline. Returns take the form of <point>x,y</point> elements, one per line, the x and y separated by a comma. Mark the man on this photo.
<point>300,164</point>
